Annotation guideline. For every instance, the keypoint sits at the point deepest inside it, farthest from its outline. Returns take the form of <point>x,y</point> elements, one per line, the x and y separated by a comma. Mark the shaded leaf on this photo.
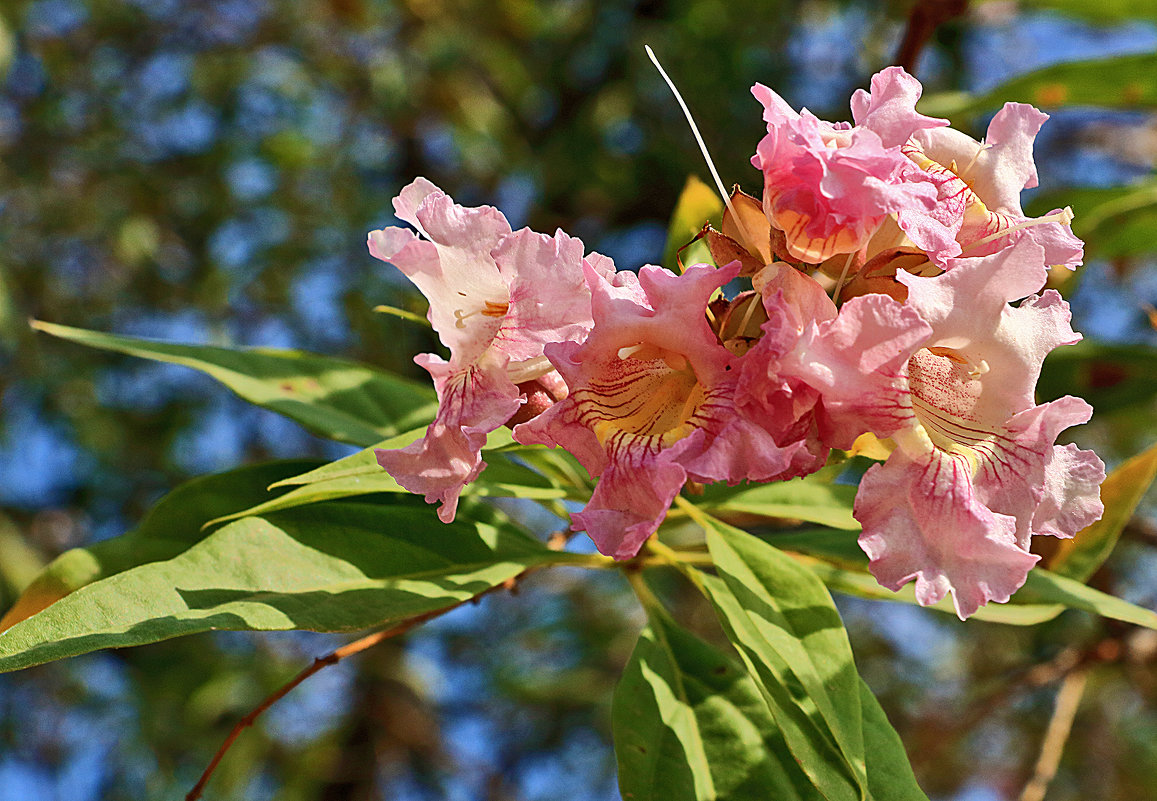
<point>1078,558</point>
<point>890,776</point>
<point>1110,377</point>
<point>171,526</point>
<point>697,204</point>
<point>1114,222</point>
<point>327,567</point>
<point>782,621</point>
<point>333,398</point>
<point>689,723</point>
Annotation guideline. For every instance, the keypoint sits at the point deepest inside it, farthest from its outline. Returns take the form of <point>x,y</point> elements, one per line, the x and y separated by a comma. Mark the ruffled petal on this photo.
<point>471,403</point>
<point>923,522</point>
<point>889,110</point>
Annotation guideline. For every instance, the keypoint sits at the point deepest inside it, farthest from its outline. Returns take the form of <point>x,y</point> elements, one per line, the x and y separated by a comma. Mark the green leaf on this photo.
<point>1110,377</point>
<point>697,204</point>
<point>1045,595</point>
<point>689,723</point>
<point>815,500</point>
<point>782,621</point>
<point>1103,12</point>
<point>333,398</point>
<point>1045,587</point>
<point>890,776</point>
<point>175,523</point>
<point>1118,82</point>
<point>1114,222</point>
<point>327,567</point>
<point>360,474</point>
<point>1078,558</point>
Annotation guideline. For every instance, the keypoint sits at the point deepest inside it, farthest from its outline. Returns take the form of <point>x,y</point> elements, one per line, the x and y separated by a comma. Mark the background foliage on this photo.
<point>207,172</point>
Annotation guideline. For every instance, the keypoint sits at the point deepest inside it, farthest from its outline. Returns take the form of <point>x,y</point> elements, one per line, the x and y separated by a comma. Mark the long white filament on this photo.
<point>699,138</point>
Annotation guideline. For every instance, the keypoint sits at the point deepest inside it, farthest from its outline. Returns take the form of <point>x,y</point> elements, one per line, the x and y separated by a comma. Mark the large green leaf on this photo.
<point>1115,82</point>
<point>326,567</point>
<point>690,724</point>
<point>782,621</point>
<point>334,398</point>
<point>175,523</point>
<point>1123,489</point>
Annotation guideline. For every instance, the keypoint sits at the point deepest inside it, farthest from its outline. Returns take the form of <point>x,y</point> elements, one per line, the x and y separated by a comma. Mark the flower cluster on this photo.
<point>896,291</point>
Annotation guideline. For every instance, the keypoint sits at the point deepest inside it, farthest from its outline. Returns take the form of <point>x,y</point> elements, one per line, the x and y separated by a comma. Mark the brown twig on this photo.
<point>1057,734</point>
<point>1063,665</point>
<point>355,647</point>
<point>926,17</point>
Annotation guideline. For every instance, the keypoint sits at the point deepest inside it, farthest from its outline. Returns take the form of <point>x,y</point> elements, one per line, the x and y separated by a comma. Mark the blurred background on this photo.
<point>207,171</point>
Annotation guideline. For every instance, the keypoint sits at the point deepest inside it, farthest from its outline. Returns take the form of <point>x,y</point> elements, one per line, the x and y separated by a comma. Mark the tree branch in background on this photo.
<point>1057,734</point>
<point>926,17</point>
<point>355,647</point>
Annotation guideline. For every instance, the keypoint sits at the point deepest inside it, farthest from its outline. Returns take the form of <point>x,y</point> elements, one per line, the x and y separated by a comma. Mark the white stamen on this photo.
<point>1064,217</point>
<point>978,370</point>
<point>982,147</point>
<point>630,350</point>
<point>702,144</point>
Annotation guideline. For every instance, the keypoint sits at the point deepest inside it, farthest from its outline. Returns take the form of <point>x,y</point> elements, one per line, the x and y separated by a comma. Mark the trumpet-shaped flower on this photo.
<point>828,186</point>
<point>949,375</point>
<point>652,404</point>
<point>981,186</point>
<point>496,297</point>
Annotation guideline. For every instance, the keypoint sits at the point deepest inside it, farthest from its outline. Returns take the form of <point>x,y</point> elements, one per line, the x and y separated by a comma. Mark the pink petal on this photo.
<point>889,110</point>
<point>922,521</point>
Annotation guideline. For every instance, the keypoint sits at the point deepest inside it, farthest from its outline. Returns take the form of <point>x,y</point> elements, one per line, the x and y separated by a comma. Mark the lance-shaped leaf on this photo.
<point>326,567</point>
<point>175,523</point>
<point>360,474</point>
<point>333,398</point>
<point>788,632</point>
<point>782,621</point>
<point>691,724</point>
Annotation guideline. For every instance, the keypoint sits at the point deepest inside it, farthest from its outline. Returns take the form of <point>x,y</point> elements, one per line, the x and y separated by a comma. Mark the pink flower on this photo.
<point>828,186</point>
<point>496,298</point>
<point>982,182</point>
<point>653,403</point>
<point>949,375</point>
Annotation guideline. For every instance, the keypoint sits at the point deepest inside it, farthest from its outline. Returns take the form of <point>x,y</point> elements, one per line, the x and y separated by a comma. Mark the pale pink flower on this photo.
<point>980,193</point>
<point>496,297</point>
<point>652,404</point>
<point>949,375</point>
<point>828,186</point>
